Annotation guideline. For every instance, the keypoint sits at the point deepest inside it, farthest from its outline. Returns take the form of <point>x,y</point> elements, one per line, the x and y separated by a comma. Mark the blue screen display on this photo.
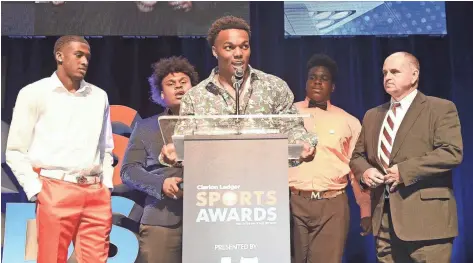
<point>364,18</point>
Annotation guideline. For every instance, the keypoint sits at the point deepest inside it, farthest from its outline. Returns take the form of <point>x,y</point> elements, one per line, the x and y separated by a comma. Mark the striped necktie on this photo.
<point>387,138</point>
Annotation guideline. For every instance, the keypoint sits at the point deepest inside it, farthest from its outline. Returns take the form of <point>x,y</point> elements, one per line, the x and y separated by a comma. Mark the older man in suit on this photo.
<point>405,153</point>
<point>161,225</point>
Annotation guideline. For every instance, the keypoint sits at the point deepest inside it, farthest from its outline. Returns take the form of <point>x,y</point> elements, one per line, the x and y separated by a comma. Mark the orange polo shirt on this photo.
<point>337,132</point>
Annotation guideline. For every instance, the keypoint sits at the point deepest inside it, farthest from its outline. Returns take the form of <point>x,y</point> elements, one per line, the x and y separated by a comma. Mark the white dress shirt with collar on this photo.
<point>60,132</point>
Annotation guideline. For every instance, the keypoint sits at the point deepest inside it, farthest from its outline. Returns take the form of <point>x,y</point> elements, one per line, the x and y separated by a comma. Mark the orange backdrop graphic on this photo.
<point>123,120</point>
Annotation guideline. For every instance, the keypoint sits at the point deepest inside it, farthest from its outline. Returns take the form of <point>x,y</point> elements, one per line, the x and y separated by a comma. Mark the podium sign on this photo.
<point>236,194</point>
<point>236,199</point>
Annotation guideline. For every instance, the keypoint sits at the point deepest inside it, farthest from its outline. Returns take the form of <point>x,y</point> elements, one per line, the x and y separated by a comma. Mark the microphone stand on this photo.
<point>237,80</point>
<point>236,86</point>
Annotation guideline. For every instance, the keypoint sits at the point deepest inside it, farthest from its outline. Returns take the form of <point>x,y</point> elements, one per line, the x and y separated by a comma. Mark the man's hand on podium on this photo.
<point>308,153</point>
<point>168,154</point>
<point>171,188</point>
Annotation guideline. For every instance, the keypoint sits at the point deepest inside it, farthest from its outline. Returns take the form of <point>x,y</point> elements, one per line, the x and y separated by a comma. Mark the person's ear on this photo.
<point>59,57</point>
<point>214,52</point>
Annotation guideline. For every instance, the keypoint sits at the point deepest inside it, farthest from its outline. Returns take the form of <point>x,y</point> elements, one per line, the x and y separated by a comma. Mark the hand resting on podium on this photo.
<point>308,152</point>
<point>168,155</point>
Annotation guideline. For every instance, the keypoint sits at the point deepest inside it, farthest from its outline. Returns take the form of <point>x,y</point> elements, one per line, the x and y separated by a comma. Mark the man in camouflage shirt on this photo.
<point>261,93</point>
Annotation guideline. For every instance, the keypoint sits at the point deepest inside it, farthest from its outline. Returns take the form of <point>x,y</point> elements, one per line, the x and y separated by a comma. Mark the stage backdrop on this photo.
<point>121,66</point>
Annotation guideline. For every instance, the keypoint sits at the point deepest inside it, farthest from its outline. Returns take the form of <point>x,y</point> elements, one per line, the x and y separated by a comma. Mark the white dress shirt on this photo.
<point>61,132</point>
<point>400,113</point>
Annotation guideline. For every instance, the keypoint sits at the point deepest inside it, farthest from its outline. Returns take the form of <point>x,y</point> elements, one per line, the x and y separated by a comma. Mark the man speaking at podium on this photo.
<point>260,93</point>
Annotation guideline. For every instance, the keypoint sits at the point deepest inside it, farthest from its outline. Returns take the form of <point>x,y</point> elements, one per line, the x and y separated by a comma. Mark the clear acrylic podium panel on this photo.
<point>175,128</point>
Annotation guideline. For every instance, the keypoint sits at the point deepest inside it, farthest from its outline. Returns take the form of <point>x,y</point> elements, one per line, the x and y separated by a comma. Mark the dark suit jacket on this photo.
<point>428,145</point>
<point>142,171</point>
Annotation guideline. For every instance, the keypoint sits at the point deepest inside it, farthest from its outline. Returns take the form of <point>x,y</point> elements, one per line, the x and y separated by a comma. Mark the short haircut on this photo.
<point>164,67</point>
<point>62,41</point>
<point>224,23</point>
<point>324,61</point>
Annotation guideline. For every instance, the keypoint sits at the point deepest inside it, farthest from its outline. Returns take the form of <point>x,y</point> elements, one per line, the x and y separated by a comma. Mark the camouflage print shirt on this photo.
<point>266,94</point>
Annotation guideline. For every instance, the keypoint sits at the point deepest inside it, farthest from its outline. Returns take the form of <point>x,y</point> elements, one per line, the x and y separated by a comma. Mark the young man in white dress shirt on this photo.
<point>60,150</point>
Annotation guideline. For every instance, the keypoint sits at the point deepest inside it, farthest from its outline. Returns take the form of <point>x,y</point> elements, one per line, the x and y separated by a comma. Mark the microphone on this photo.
<point>238,74</point>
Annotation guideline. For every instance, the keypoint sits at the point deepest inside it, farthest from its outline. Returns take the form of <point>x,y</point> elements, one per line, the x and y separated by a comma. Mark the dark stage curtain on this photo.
<point>121,66</point>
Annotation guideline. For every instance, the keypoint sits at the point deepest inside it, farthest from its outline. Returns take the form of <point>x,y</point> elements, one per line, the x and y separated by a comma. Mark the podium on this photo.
<point>236,195</point>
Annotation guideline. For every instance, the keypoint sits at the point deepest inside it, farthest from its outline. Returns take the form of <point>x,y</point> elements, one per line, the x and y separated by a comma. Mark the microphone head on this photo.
<point>239,72</point>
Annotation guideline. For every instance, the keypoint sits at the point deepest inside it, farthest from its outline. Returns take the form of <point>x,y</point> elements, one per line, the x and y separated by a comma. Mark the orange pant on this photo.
<point>72,212</point>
